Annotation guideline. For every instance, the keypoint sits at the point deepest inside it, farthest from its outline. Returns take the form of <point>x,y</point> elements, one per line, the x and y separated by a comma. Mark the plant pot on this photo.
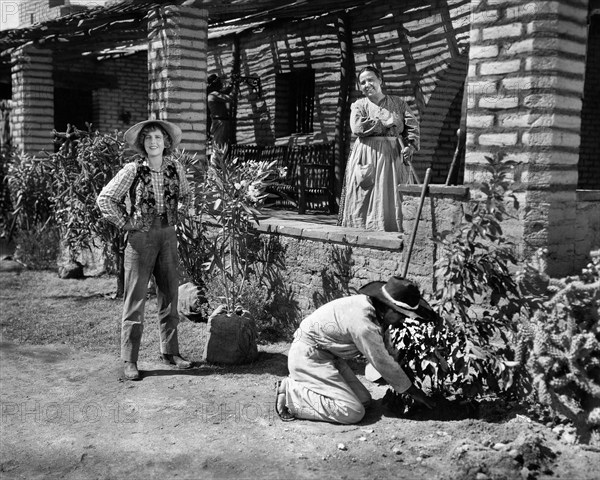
<point>231,339</point>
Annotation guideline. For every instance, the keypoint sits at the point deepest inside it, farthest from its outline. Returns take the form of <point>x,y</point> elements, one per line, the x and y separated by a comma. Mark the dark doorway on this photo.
<point>589,166</point>
<point>72,107</point>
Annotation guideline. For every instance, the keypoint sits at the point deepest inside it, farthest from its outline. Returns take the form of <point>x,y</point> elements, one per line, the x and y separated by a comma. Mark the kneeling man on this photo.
<point>321,386</point>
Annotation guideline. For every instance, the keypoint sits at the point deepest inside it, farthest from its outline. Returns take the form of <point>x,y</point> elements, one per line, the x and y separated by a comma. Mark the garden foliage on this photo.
<point>467,350</point>
<point>229,200</point>
<point>521,334</point>
<point>559,346</point>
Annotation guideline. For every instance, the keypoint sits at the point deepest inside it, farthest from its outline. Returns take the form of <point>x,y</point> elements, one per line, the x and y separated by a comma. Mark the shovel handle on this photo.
<point>416,225</point>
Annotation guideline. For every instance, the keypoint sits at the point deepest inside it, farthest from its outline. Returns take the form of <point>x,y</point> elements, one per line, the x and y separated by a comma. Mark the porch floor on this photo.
<point>323,227</point>
<point>318,218</point>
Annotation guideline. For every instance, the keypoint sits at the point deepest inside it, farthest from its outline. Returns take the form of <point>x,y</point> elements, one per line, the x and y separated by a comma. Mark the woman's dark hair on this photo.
<point>214,83</point>
<point>150,128</point>
<point>370,68</point>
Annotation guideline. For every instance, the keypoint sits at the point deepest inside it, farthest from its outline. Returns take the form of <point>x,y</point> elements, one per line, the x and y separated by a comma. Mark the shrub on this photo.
<point>230,198</point>
<point>83,164</point>
<point>468,350</point>
<point>38,248</point>
<point>29,181</point>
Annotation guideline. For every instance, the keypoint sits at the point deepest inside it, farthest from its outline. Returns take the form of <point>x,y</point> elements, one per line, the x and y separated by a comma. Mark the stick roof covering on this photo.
<point>124,25</point>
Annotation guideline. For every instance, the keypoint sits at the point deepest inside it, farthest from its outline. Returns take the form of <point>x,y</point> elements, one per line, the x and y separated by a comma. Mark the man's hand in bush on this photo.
<point>419,396</point>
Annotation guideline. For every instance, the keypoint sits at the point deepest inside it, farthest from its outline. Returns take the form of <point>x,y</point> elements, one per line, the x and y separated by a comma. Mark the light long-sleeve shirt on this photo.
<point>366,119</point>
<point>348,327</point>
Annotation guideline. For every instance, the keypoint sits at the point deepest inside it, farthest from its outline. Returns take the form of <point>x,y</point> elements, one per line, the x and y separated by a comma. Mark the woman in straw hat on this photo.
<point>159,194</point>
<point>321,385</point>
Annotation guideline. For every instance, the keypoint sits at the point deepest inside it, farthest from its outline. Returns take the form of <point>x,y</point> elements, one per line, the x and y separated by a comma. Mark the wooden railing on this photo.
<point>308,183</point>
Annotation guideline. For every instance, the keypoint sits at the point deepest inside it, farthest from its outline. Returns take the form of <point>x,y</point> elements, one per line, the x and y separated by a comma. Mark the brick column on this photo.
<point>524,87</point>
<point>32,117</point>
<point>177,46</point>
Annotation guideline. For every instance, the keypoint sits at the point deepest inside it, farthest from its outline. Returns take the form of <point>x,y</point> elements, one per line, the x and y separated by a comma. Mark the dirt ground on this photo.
<point>67,413</point>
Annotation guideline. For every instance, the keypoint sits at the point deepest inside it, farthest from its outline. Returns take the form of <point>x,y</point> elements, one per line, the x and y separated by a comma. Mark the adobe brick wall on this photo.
<point>177,44</point>
<point>589,153</point>
<point>32,116</point>
<point>130,95</point>
<point>323,262</point>
<point>525,84</point>
<point>36,11</point>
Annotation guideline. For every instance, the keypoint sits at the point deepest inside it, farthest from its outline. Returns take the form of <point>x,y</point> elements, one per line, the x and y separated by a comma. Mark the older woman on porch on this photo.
<point>159,193</point>
<point>388,135</point>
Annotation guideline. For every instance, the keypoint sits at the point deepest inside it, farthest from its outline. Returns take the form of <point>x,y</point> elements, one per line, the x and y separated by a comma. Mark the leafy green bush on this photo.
<point>29,181</point>
<point>84,163</point>
<point>468,350</point>
<point>38,248</point>
<point>5,203</point>
<point>229,198</point>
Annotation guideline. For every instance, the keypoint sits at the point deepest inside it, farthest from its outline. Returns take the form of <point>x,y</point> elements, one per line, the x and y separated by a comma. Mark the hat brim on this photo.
<point>423,311</point>
<point>132,134</point>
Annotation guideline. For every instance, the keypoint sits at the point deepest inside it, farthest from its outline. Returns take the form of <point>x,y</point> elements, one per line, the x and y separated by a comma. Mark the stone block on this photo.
<point>484,17</point>
<point>501,32</point>
<point>480,121</point>
<point>500,67</point>
<point>556,63</point>
<point>483,51</point>
<point>498,103</point>
<point>553,138</point>
<point>499,139</point>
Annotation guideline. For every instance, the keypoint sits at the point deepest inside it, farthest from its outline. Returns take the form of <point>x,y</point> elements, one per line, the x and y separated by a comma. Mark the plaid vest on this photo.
<point>143,200</point>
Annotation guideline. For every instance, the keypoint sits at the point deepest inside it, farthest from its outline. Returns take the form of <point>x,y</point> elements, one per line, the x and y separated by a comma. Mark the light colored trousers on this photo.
<point>323,387</point>
<point>150,253</point>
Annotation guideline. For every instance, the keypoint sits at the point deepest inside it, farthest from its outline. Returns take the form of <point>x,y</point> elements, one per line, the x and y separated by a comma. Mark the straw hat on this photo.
<point>133,133</point>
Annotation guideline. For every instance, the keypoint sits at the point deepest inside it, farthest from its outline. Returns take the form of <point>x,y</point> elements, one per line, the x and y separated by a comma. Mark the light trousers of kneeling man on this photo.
<point>323,387</point>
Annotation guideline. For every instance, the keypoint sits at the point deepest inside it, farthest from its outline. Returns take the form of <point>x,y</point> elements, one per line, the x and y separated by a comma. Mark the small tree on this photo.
<point>83,165</point>
<point>468,351</point>
<point>231,196</point>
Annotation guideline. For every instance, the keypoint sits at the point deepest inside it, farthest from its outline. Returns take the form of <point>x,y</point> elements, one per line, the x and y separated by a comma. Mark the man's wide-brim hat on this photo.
<point>401,295</point>
<point>133,133</point>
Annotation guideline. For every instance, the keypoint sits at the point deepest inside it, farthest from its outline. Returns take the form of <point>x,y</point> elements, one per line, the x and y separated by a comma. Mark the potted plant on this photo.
<point>231,196</point>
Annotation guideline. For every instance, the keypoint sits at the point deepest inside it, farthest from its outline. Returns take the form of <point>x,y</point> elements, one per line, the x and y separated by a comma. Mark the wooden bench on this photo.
<point>310,171</point>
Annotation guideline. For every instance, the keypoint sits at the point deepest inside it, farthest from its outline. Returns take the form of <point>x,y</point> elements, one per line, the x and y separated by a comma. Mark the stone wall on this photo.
<point>317,263</point>
<point>126,103</point>
<point>36,11</point>
<point>177,44</point>
<point>525,88</point>
<point>32,116</point>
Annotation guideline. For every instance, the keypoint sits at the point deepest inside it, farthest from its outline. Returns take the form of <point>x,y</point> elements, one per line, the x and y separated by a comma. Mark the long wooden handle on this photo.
<point>416,225</point>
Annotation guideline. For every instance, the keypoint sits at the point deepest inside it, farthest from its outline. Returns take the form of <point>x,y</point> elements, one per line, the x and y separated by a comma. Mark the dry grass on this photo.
<point>39,308</point>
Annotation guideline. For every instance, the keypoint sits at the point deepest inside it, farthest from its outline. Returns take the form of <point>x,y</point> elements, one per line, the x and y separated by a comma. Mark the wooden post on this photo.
<point>347,75</point>
<point>416,225</point>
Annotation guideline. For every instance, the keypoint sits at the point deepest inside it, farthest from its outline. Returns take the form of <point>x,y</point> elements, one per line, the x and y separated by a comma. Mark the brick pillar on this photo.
<point>177,46</point>
<point>32,117</point>
<point>524,87</point>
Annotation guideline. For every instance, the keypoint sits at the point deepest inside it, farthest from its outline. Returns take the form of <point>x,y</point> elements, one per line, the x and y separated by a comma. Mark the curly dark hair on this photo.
<point>150,128</point>
<point>371,68</point>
